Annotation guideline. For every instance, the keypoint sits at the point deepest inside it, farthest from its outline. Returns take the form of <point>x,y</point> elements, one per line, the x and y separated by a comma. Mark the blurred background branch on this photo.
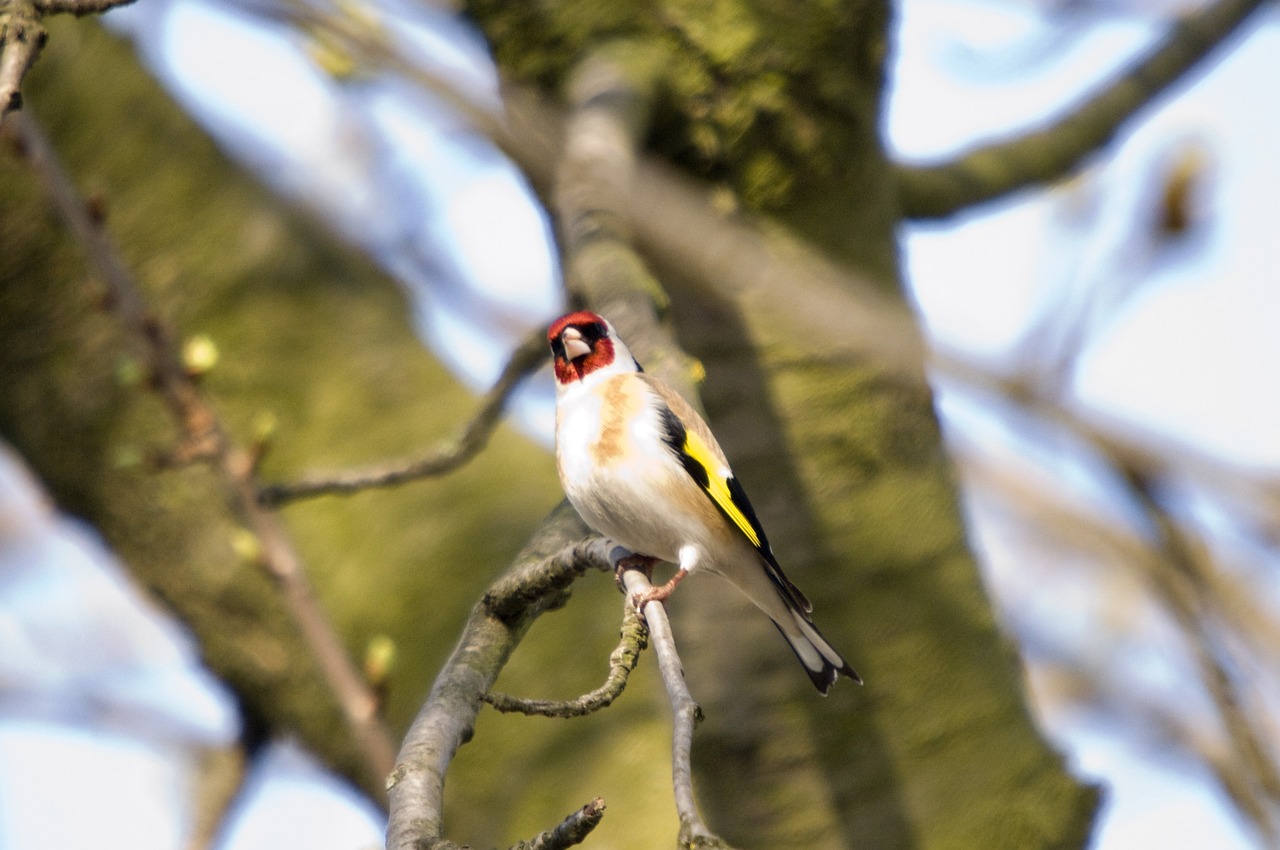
<point>1050,154</point>
<point>526,359</point>
<point>203,438</point>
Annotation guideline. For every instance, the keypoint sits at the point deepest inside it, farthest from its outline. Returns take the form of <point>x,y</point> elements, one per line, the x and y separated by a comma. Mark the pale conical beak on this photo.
<point>574,345</point>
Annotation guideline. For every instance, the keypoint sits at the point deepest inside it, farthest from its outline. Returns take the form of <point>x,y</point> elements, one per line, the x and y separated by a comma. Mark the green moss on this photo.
<point>306,330</point>
<point>755,95</point>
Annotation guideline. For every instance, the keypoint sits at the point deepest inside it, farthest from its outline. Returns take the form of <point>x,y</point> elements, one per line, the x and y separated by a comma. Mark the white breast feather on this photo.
<point>631,499</point>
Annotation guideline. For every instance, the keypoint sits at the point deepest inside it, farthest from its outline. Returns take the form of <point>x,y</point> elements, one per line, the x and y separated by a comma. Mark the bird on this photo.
<point>643,469</point>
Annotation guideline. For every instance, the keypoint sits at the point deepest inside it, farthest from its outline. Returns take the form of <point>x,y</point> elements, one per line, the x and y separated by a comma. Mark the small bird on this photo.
<point>642,468</point>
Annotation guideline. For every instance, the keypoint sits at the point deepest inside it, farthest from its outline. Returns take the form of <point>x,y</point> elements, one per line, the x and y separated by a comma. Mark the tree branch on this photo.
<point>685,714</point>
<point>1041,156</point>
<point>1126,445</point>
<point>203,436</point>
<point>22,35</point>
<point>537,581</point>
<point>623,659</point>
<point>1197,596</point>
<point>79,8</point>
<point>573,830</point>
<point>525,360</point>
<point>1180,590</point>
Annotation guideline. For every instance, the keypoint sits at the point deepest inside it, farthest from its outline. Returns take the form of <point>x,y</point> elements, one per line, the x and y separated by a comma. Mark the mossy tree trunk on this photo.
<point>779,104</point>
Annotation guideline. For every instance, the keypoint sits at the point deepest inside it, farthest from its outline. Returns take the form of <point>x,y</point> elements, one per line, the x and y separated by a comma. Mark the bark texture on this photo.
<point>845,464</point>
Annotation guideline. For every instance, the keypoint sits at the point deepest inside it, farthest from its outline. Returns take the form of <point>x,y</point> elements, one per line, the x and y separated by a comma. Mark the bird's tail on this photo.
<point>820,659</point>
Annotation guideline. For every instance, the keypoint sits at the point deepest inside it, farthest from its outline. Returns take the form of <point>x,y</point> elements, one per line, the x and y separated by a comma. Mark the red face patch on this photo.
<point>595,333</point>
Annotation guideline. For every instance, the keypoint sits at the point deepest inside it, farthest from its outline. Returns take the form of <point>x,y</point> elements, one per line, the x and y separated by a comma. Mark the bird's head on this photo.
<point>583,344</point>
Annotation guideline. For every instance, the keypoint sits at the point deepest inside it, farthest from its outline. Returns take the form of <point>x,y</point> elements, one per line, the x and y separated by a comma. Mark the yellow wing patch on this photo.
<point>716,485</point>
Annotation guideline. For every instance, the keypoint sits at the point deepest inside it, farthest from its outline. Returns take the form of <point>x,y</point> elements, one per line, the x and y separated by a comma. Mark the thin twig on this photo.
<point>991,171</point>
<point>203,436</point>
<point>22,35</point>
<point>536,582</point>
<point>512,595</point>
<point>79,8</point>
<point>1128,446</point>
<point>1092,687</point>
<point>1037,499</point>
<point>1220,597</point>
<point>685,713</point>
<point>623,659</point>
<point>1179,589</point>
<point>571,831</point>
<point>524,361</point>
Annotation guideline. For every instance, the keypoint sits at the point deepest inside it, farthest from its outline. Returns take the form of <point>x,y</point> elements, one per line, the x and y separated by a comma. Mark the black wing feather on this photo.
<point>675,435</point>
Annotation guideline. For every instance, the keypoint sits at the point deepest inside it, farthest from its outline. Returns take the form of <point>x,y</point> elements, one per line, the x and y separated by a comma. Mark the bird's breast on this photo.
<point>623,478</point>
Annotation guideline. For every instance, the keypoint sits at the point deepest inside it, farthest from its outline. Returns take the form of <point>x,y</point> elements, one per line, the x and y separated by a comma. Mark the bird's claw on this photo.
<point>643,563</point>
<point>657,594</point>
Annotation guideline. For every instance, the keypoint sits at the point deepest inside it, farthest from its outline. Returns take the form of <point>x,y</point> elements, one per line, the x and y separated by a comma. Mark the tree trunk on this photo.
<point>779,103</point>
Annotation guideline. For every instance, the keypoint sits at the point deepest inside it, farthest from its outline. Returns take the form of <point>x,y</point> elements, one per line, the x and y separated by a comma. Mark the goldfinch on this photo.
<point>642,468</point>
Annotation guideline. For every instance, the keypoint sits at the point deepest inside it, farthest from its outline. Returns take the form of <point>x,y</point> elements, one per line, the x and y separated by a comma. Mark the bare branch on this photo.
<point>1180,591</point>
<point>537,581</point>
<point>79,8</point>
<point>516,591</point>
<point>203,436</point>
<point>524,361</point>
<point>1199,595</point>
<point>994,170</point>
<point>22,35</point>
<point>1126,445</point>
<point>623,659</point>
<point>685,715</point>
<point>573,830</point>
<point>1092,687</point>
<point>1039,500</point>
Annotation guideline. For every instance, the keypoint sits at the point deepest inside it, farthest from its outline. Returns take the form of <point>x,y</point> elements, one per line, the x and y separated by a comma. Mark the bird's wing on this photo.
<point>695,447</point>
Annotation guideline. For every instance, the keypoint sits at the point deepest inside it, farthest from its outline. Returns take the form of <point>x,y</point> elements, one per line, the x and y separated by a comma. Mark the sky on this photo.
<point>1189,352</point>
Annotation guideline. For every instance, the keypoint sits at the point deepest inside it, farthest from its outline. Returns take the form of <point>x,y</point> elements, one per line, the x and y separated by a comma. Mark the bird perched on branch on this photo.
<point>643,469</point>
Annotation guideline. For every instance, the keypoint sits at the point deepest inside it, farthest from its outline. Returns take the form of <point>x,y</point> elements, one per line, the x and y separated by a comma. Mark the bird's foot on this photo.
<point>643,563</point>
<point>659,593</point>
